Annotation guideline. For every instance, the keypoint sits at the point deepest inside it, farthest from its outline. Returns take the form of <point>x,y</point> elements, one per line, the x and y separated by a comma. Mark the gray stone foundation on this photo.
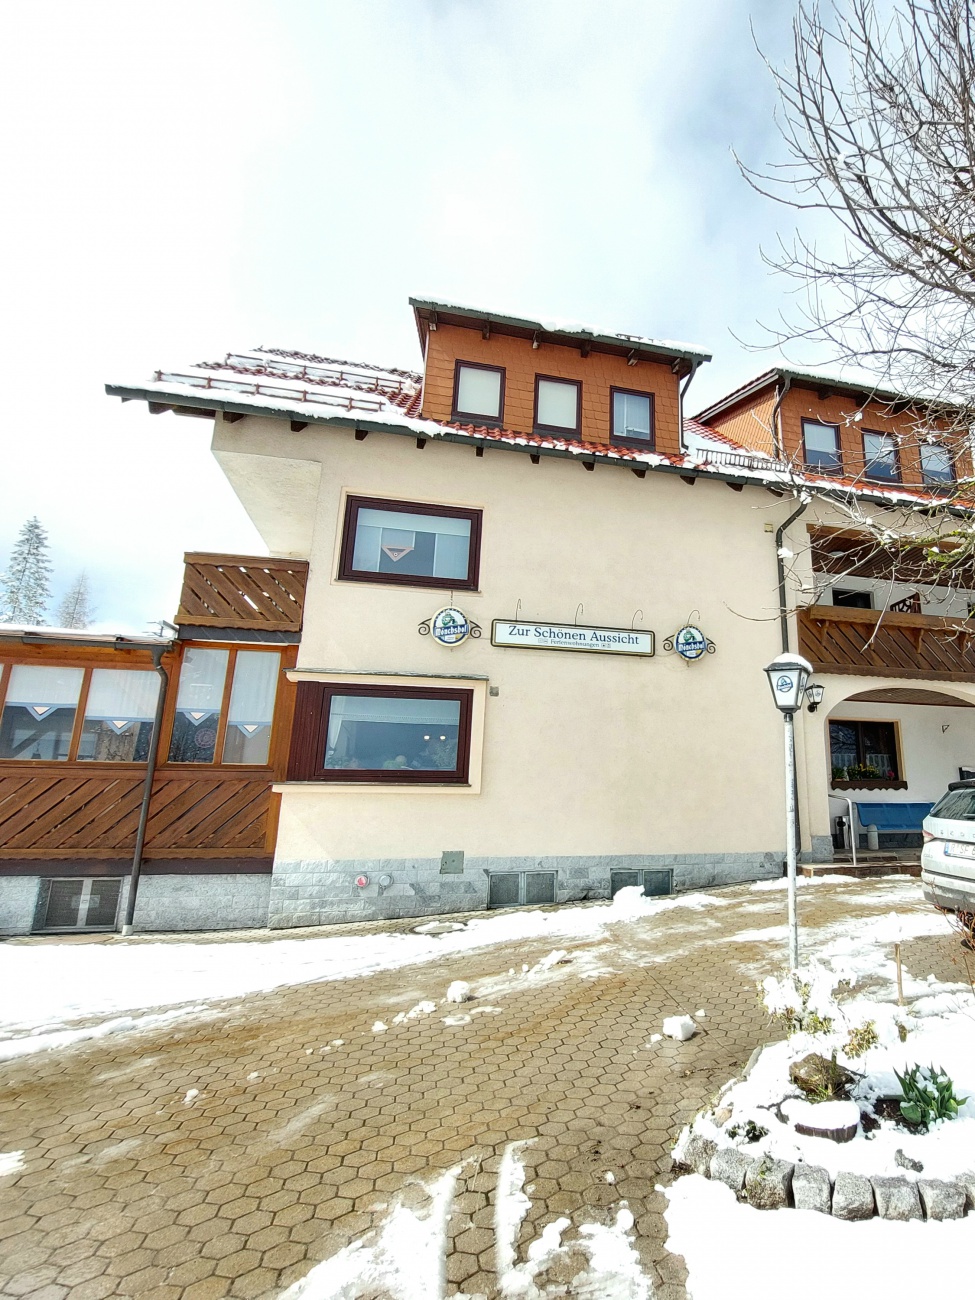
<point>232,902</point>
<point>325,893</point>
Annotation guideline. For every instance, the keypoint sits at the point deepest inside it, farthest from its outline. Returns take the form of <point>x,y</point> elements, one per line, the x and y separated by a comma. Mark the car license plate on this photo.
<point>955,850</point>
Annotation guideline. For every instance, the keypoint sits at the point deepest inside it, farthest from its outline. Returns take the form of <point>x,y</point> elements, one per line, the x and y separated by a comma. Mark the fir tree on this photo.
<point>25,588</point>
<point>76,609</point>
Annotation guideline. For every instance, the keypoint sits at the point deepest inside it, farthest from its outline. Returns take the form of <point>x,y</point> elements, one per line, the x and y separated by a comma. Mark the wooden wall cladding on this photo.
<point>242,591</point>
<point>865,642</point>
<point>46,812</point>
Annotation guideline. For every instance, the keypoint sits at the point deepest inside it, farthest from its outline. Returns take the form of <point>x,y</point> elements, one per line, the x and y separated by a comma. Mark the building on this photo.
<point>527,666</point>
<point>163,750</point>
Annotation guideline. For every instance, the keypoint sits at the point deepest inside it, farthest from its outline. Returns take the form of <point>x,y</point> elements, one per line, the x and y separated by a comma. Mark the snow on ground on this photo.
<point>11,1162</point>
<point>405,1258</point>
<point>734,1252</point>
<point>48,988</point>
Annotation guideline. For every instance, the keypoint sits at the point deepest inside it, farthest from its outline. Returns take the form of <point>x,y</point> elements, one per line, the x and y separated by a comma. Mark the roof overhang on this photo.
<point>423,431</point>
<point>860,391</point>
<point>430,314</point>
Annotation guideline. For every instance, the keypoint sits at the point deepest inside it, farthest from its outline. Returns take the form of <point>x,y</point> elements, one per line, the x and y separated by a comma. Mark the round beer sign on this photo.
<point>450,626</point>
<point>690,642</point>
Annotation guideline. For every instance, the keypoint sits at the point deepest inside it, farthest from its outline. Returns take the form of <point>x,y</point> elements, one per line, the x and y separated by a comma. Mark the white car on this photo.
<point>948,855</point>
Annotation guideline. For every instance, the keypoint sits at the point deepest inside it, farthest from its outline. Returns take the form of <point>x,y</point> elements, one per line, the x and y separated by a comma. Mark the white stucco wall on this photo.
<point>582,754</point>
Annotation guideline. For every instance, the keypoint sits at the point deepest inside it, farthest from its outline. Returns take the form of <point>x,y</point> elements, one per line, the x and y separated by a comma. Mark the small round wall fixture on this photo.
<point>690,643</point>
<point>449,626</point>
<point>362,881</point>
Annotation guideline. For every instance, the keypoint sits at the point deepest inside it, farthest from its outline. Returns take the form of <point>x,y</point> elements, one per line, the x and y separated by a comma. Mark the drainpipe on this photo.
<point>140,836</point>
<point>680,400</point>
<point>784,626</point>
<point>780,568</point>
<point>778,443</point>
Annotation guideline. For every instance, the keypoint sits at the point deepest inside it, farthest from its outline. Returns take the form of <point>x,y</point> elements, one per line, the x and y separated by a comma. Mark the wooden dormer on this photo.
<point>568,383</point>
<point>828,426</point>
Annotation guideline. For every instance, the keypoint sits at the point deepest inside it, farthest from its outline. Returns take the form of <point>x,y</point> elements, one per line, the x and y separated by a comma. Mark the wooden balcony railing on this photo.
<point>873,643</point>
<point>242,591</point>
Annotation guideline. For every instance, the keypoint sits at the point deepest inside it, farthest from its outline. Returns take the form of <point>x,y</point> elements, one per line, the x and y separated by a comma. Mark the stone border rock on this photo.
<point>770,1184</point>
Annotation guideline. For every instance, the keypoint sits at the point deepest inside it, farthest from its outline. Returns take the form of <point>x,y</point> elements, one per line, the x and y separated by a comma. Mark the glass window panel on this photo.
<point>822,445</point>
<point>118,716</point>
<point>558,404</point>
<point>936,466</point>
<point>38,716</point>
<point>251,710</point>
<point>374,733</point>
<point>413,545</point>
<point>956,805</point>
<point>879,750</point>
<point>880,454</point>
<point>479,392</point>
<point>844,753</point>
<point>631,416</point>
<point>201,682</point>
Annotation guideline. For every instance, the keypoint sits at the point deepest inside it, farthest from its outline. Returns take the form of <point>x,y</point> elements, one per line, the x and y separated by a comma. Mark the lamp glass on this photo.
<point>787,678</point>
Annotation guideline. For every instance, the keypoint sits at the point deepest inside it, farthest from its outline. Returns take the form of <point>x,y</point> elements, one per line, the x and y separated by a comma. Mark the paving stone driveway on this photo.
<point>291,1152</point>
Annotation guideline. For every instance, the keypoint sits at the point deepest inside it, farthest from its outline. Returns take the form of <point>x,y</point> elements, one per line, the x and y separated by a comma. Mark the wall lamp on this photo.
<point>814,697</point>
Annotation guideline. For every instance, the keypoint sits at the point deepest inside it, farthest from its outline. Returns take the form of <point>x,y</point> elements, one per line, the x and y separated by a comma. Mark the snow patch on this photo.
<point>680,1027</point>
<point>11,1162</point>
<point>459,991</point>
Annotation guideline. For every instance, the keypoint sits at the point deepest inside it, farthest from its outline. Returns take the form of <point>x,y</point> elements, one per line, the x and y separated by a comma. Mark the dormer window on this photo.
<point>632,417</point>
<point>880,457</point>
<point>478,393</point>
<point>557,406</point>
<point>936,466</point>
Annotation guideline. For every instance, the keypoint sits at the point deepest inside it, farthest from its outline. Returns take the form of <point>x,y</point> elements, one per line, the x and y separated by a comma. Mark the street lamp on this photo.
<point>814,697</point>
<point>787,678</point>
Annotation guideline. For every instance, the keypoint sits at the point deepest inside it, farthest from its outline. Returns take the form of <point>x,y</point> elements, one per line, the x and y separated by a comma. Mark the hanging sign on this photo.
<point>569,636</point>
<point>690,643</point>
<point>449,626</point>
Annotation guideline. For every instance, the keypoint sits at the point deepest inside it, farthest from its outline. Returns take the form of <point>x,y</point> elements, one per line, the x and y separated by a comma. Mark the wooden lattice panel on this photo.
<point>865,642</point>
<point>243,591</point>
<point>192,815</point>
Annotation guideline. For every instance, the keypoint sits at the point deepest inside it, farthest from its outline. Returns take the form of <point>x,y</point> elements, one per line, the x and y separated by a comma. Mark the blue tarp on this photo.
<point>893,816</point>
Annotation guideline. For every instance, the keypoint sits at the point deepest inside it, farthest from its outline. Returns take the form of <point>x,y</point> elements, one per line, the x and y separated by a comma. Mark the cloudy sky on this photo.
<point>188,177</point>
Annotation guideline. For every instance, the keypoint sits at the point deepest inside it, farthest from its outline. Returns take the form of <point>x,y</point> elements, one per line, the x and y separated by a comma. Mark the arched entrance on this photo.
<point>891,753</point>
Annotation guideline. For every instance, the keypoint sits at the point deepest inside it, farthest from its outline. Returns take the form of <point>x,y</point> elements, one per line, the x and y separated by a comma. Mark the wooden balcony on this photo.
<point>242,591</point>
<point>872,643</point>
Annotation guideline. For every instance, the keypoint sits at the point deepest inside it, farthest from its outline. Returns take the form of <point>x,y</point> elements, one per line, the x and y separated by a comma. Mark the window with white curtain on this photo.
<point>251,710</point>
<point>119,714</point>
<point>39,711</point>
<point>198,701</point>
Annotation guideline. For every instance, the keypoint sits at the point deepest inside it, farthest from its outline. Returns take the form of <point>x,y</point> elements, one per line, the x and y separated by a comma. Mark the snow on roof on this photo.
<point>326,391</point>
<point>555,325</point>
<point>848,379</point>
<point>108,633</point>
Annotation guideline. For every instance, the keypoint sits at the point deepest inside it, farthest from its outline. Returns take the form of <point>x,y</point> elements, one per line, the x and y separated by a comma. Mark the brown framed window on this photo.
<point>821,447</point>
<point>864,753</point>
<point>410,543</point>
<point>224,706</point>
<point>380,734</point>
<point>39,709</point>
<point>880,459</point>
<point>936,463</point>
<point>558,406</point>
<point>478,393</point>
<point>631,417</point>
